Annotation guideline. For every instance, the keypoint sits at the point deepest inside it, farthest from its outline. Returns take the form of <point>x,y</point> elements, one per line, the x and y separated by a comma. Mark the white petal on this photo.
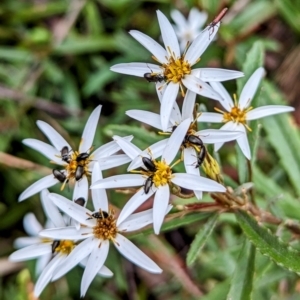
<point>175,141</point>
<point>22,242</point>
<point>190,161</point>
<point>193,182</point>
<point>81,189</point>
<point>77,212</point>
<point>211,136</point>
<point>30,252</point>
<point>147,117</point>
<point>135,255</point>
<point>47,273</point>
<point>47,150</point>
<point>169,97</point>
<point>134,202</point>
<point>156,150</point>
<point>250,88</point>
<point>188,105</point>
<point>42,262</point>
<point>78,254</point>
<point>210,117</point>
<point>112,161</point>
<point>54,137</point>
<point>31,225</point>
<point>229,126</point>
<point>178,18</point>
<point>129,149</point>
<point>51,210</point>
<point>119,181</point>
<point>168,35</point>
<point>139,220</point>
<point>39,185</point>
<point>136,69</point>
<point>67,233</point>
<point>160,204</point>
<point>89,131</point>
<point>95,262</point>
<point>108,149</point>
<point>99,196</point>
<point>227,103</point>
<point>197,18</point>
<point>215,74</point>
<point>267,110</point>
<point>151,45</point>
<point>243,142</point>
<point>199,45</point>
<point>200,87</point>
<point>103,272</point>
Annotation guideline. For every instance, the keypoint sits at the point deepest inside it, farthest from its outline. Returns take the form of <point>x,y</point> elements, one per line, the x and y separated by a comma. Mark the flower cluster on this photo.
<point>82,236</point>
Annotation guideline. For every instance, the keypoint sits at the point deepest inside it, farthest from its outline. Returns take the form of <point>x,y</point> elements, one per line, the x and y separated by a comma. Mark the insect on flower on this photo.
<point>216,20</point>
<point>80,201</point>
<point>54,245</point>
<point>154,77</point>
<point>201,157</point>
<point>65,156</point>
<point>98,215</point>
<point>59,175</point>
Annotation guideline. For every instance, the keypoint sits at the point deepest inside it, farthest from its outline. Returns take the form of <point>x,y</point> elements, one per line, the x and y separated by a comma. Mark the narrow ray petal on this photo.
<point>160,204</point>
<point>78,254</point>
<point>168,35</point>
<point>135,255</point>
<point>39,185</point>
<point>200,44</point>
<point>89,131</point>
<point>211,136</point>
<point>229,126</point>
<point>51,210</point>
<point>156,150</point>
<point>67,233</point>
<point>99,196</point>
<point>169,97</point>
<point>134,202</point>
<point>108,149</point>
<point>103,272</point>
<point>46,274</point>
<point>175,117</point>
<point>268,110</point>
<point>30,252</point>
<point>129,149</point>
<point>210,117</point>
<point>22,242</point>
<point>147,117</point>
<point>178,18</point>
<point>151,45</point>
<point>54,137</point>
<point>198,86</point>
<point>215,74</point>
<point>175,141</point>
<point>227,103</point>
<point>95,262</point>
<point>119,181</point>
<point>136,69</point>
<point>81,189</point>
<point>188,105</point>
<point>197,183</point>
<point>77,212</point>
<point>243,142</point>
<point>42,262</point>
<point>250,88</point>
<point>112,161</point>
<point>31,225</point>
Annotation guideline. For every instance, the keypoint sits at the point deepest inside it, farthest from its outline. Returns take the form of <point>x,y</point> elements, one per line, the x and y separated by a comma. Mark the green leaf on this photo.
<point>254,60</point>
<point>283,135</point>
<point>242,281</point>
<point>200,239</point>
<point>267,243</point>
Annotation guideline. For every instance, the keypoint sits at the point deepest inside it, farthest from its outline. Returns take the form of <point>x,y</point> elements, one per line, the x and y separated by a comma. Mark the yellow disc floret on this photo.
<point>163,173</point>
<point>65,247</point>
<point>176,69</point>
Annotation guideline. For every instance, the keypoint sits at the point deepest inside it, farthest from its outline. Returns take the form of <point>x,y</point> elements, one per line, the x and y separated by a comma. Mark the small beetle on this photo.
<point>82,156</point>
<point>55,244</point>
<point>150,77</point>
<point>149,164</point>
<point>80,201</point>
<point>98,215</point>
<point>79,172</point>
<point>148,184</point>
<point>59,175</point>
<point>65,156</point>
<point>201,157</point>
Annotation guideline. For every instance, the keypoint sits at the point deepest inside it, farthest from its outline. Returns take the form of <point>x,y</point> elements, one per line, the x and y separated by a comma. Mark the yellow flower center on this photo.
<point>64,247</point>
<point>176,69</point>
<point>105,228</point>
<point>77,166</point>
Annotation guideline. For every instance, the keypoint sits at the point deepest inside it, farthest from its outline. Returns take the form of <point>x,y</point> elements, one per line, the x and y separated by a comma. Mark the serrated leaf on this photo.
<point>254,60</point>
<point>267,243</point>
<point>283,135</point>
<point>242,281</point>
<point>200,239</point>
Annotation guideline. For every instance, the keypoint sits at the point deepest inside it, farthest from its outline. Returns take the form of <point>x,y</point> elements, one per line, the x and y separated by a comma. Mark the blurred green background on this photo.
<point>54,66</point>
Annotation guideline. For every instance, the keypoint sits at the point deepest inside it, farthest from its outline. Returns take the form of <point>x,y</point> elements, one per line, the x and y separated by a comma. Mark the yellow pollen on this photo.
<point>176,69</point>
<point>106,228</point>
<point>163,173</point>
<point>65,247</point>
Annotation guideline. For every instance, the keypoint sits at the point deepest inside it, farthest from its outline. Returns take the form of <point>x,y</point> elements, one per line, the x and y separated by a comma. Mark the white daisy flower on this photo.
<point>50,253</point>
<point>176,67</point>
<point>73,165</point>
<point>97,230</point>
<point>188,29</point>
<point>155,178</point>
<point>237,114</point>
<point>183,134</point>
